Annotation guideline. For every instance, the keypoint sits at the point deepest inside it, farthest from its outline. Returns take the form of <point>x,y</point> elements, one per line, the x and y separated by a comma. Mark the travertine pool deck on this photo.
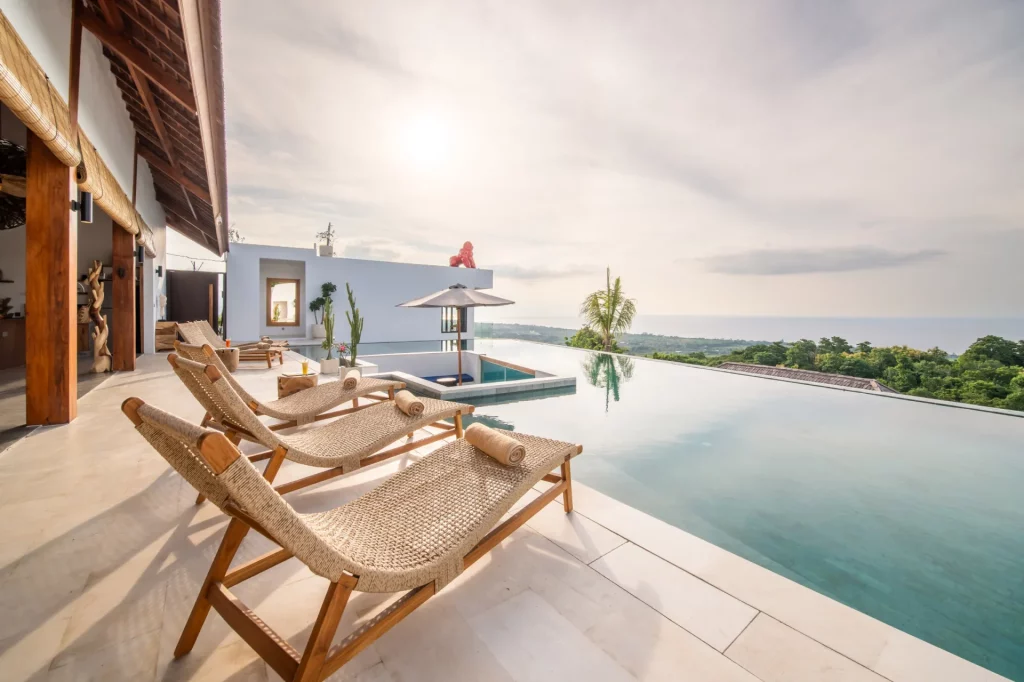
<point>102,551</point>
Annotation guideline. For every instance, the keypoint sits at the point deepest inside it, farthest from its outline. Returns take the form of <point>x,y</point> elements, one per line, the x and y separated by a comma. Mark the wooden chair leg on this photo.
<point>270,361</point>
<point>567,495</point>
<point>233,537</point>
<point>458,425</point>
<point>276,460</point>
<point>320,638</point>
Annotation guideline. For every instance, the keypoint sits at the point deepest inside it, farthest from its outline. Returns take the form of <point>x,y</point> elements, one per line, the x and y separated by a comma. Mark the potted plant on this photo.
<point>355,324</point>
<point>327,237</point>
<point>315,307</point>
<point>330,365</point>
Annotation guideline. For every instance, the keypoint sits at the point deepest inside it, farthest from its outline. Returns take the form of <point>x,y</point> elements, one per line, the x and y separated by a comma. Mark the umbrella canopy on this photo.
<point>456,296</point>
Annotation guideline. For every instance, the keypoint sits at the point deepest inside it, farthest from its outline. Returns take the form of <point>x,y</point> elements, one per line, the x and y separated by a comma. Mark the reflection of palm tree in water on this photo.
<point>608,371</point>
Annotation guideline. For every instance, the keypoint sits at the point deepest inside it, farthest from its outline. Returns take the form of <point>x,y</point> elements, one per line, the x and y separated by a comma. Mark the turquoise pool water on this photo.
<point>491,372</point>
<point>909,512</point>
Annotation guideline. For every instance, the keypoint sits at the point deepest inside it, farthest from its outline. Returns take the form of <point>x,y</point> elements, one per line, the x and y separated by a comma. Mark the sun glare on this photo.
<point>426,142</point>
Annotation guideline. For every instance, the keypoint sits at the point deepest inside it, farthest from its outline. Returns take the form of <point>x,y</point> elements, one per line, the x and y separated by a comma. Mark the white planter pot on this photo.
<point>319,331</point>
<point>324,251</point>
<point>329,366</point>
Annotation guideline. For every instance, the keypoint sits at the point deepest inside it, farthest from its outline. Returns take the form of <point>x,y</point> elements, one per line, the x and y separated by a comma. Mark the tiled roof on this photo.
<point>808,375</point>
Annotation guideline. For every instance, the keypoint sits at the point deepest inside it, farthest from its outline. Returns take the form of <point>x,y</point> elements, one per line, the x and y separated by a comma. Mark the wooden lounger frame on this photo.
<point>257,355</point>
<point>319,660</point>
<point>277,456</point>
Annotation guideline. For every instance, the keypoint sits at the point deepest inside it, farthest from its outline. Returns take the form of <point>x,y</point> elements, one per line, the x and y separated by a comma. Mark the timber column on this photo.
<point>51,254</point>
<point>123,317</point>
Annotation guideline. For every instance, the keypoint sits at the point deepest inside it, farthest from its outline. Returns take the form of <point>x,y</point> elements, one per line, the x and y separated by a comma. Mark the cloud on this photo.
<point>370,250</point>
<point>805,261</point>
<point>541,272</point>
<point>638,138</point>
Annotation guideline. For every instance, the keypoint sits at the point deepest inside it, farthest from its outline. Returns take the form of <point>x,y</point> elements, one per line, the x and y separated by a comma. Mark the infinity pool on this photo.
<point>910,512</point>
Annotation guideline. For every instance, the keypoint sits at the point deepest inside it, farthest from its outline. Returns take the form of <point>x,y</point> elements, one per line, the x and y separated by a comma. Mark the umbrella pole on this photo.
<point>458,336</point>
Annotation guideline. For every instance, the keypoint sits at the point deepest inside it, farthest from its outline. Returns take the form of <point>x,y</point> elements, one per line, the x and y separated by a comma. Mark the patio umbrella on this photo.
<point>457,296</point>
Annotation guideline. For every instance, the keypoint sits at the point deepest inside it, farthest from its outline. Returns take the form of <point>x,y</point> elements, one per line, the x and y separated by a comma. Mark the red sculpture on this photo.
<point>463,257</point>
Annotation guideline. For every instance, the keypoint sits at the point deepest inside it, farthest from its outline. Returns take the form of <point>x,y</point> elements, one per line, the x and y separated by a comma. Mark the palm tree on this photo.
<point>608,312</point>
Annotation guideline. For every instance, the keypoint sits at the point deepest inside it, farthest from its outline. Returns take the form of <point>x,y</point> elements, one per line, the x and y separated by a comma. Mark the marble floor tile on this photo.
<point>132,659</point>
<point>775,652</point>
<point>534,643</point>
<point>707,612</point>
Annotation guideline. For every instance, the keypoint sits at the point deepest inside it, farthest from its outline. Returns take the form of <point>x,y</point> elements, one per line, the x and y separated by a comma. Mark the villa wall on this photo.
<point>379,286</point>
<point>45,28</point>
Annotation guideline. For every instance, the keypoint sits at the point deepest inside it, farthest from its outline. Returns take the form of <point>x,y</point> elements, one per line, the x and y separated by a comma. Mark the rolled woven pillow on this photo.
<point>351,379</point>
<point>262,345</point>
<point>409,403</point>
<point>495,444</point>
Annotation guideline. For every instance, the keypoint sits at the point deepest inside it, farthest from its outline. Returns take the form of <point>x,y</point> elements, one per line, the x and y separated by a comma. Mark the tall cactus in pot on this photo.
<point>328,316</point>
<point>355,323</point>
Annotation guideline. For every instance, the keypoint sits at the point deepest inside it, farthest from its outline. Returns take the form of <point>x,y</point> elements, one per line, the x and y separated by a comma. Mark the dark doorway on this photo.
<point>192,295</point>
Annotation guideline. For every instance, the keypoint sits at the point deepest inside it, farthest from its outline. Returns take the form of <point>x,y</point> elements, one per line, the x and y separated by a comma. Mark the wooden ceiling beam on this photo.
<point>162,166</point>
<point>113,16</point>
<point>120,43</point>
<point>189,229</point>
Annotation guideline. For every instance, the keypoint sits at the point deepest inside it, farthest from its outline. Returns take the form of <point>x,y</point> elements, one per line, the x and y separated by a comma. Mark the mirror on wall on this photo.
<point>282,302</point>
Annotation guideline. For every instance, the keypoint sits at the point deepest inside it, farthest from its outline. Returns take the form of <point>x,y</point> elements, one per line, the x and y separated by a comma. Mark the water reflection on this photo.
<point>607,371</point>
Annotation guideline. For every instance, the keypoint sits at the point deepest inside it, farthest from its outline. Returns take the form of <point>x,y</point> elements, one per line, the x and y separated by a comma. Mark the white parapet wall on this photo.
<point>441,363</point>
<point>379,286</point>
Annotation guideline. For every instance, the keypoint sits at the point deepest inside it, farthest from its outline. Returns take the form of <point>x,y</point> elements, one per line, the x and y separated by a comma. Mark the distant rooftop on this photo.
<point>808,375</point>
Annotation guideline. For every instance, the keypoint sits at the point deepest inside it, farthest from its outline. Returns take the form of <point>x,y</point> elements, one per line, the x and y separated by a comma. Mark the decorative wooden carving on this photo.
<point>101,354</point>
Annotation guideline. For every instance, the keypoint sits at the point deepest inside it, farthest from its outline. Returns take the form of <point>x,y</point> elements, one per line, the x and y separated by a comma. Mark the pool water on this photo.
<point>491,372</point>
<point>910,512</point>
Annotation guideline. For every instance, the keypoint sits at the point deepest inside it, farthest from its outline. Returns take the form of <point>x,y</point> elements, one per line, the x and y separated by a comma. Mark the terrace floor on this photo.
<point>102,551</point>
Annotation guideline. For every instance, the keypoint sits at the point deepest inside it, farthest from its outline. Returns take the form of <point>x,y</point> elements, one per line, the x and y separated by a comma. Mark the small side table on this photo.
<point>230,358</point>
<point>289,383</point>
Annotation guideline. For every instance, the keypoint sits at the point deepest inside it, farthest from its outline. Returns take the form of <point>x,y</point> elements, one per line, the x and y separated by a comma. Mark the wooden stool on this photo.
<point>229,356</point>
<point>288,383</point>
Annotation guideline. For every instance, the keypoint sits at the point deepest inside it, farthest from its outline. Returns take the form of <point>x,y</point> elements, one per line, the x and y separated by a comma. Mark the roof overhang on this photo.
<point>169,68</point>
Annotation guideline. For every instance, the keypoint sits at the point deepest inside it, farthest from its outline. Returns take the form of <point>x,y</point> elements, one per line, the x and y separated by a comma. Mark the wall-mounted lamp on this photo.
<point>83,206</point>
<point>159,271</point>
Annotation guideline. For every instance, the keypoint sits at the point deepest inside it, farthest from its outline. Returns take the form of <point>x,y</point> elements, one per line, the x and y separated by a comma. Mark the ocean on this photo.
<point>951,334</point>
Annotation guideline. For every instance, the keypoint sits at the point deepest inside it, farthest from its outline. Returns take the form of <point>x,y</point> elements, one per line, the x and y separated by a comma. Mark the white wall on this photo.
<point>427,364</point>
<point>45,28</point>
<point>378,286</point>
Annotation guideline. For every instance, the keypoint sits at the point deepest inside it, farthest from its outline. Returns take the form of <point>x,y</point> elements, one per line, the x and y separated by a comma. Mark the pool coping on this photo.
<point>433,390</point>
<point>813,384</point>
<point>858,637</point>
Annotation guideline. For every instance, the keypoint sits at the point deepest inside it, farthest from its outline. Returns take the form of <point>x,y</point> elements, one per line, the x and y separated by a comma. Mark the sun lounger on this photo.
<point>199,332</point>
<point>312,404</point>
<point>342,446</point>
<point>415,533</point>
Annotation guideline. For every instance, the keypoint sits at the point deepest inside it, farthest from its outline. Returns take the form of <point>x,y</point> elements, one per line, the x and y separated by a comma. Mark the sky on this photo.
<point>791,157</point>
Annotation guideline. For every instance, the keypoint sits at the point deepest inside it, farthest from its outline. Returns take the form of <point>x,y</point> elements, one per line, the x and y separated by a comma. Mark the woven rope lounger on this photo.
<point>200,332</point>
<point>351,442</point>
<point>415,533</point>
<point>304,407</point>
